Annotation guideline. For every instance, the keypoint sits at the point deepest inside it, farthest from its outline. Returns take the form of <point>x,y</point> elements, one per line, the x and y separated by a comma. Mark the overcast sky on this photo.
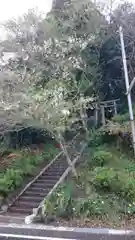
<point>14,8</point>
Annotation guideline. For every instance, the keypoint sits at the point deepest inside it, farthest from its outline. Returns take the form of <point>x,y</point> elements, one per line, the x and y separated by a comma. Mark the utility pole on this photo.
<point>127,86</point>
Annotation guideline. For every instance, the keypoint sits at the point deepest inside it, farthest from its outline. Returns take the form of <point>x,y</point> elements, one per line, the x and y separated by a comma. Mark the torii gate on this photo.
<point>101,106</point>
<point>108,104</point>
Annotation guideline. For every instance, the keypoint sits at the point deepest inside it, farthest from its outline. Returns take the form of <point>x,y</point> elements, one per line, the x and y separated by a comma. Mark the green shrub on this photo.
<point>31,160</point>
<point>5,186</point>
<point>103,177</point>
<point>62,204</point>
<point>28,169</point>
<point>129,209</point>
<point>38,159</point>
<point>103,147</point>
<point>121,118</point>
<point>90,207</point>
<point>95,138</point>
<point>49,152</point>
<point>118,182</point>
<point>101,157</point>
<point>10,180</point>
<point>15,176</point>
<point>131,167</point>
<point>100,137</point>
<point>24,166</point>
<point>128,189</point>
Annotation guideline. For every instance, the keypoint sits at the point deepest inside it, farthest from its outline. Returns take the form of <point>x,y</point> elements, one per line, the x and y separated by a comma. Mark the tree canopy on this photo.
<point>73,45</point>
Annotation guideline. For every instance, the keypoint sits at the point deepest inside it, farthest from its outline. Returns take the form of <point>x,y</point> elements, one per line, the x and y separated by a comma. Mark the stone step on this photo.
<point>40,189</point>
<point>46,182</point>
<point>31,198</point>
<point>19,210</point>
<point>49,176</point>
<point>31,193</point>
<point>26,204</point>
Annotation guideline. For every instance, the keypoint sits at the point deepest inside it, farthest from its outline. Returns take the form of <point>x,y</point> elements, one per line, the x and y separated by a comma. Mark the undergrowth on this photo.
<point>23,166</point>
<point>105,185</point>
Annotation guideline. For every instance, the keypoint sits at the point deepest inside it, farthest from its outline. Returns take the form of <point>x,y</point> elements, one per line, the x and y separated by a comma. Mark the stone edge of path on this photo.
<point>99,231</point>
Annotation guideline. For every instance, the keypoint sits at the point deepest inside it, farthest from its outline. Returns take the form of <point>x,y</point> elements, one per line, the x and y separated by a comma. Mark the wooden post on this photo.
<point>96,115</point>
<point>84,120</point>
<point>115,108</point>
<point>103,114</point>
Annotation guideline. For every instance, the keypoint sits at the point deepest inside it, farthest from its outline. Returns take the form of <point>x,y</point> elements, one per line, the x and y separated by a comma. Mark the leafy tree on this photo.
<point>67,47</point>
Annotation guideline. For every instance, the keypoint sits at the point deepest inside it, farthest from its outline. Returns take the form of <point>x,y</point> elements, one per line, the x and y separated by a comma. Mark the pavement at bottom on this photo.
<point>34,232</point>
